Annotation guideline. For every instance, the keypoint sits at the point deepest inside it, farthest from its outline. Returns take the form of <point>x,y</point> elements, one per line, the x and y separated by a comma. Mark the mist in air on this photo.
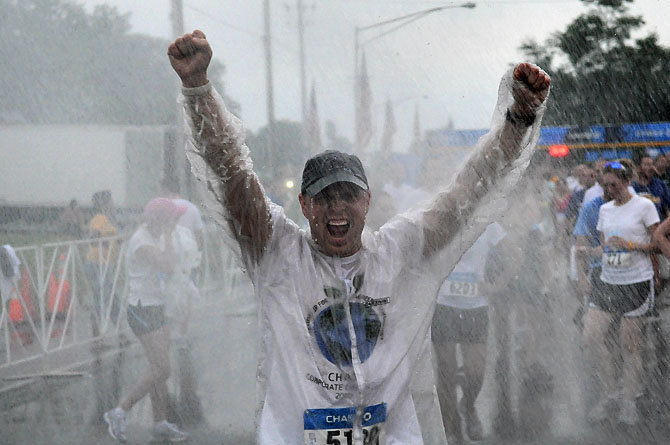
<point>91,131</point>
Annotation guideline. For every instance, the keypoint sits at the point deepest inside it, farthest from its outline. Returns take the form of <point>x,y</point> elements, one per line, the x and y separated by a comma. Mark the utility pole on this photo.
<point>268,83</point>
<point>301,45</point>
<point>267,40</point>
<point>177,16</point>
<point>356,80</point>
<point>177,21</point>
<point>175,166</point>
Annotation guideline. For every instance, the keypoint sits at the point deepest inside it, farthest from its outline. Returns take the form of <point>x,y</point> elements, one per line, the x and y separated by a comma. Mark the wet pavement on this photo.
<point>66,406</point>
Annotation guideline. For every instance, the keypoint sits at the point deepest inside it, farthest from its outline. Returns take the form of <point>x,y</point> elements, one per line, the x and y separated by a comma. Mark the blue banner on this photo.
<point>342,418</point>
<point>657,132</point>
<point>652,133</point>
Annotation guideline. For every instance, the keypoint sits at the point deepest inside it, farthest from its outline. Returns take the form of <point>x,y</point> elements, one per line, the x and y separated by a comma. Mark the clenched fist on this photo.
<point>190,56</point>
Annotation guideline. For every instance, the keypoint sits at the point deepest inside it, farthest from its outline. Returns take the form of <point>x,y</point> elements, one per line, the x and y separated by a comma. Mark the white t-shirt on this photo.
<point>191,219</point>
<point>312,304</point>
<point>7,284</point>
<point>146,283</point>
<point>462,288</point>
<point>630,222</point>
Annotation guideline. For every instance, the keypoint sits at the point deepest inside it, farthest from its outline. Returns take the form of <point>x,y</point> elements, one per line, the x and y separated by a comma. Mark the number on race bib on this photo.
<point>334,426</point>
<point>332,437</point>
<point>617,259</point>
<point>345,437</point>
<point>462,289</point>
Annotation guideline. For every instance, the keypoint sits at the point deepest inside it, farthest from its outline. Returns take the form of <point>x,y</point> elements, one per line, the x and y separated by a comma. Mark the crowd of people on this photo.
<point>346,314</point>
<point>604,225</point>
<point>604,217</point>
<point>334,294</point>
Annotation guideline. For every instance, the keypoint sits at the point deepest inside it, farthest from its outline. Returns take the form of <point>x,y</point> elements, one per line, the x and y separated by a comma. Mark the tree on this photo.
<point>64,65</point>
<point>600,74</point>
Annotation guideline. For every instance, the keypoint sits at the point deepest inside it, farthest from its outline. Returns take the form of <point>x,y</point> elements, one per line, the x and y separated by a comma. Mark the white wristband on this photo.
<point>197,91</point>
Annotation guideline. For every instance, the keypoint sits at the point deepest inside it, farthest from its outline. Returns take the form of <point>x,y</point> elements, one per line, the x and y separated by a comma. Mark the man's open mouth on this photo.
<point>337,228</point>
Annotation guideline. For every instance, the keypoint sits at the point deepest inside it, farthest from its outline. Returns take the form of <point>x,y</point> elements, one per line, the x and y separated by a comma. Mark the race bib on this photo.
<point>334,426</point>
<point>461,288</point>
<point>617,259</point>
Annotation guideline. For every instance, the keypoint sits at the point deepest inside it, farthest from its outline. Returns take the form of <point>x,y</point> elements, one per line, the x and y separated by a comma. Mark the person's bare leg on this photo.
<point>159,357</point>
<point>504,419</point>
<point>631,345</point>
<point>447,368</point>
<point>596,329</point>
<point>156,348</point>
<point>474,362</point>
<point>596,325</point>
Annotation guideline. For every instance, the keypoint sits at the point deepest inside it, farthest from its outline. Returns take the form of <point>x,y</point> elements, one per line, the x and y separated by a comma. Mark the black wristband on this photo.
<point>518,119</point>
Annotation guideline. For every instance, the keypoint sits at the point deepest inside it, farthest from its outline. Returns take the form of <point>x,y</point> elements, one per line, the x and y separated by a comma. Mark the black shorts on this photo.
<point>456,325</point>
<point>620,299</point>
<point>145,319</point>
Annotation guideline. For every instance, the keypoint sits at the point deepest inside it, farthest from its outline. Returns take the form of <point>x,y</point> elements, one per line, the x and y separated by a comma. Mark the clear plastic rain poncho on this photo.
<point>344,341</point>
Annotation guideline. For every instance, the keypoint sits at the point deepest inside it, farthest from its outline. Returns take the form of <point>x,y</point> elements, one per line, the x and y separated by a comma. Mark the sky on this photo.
<point>447,64</point>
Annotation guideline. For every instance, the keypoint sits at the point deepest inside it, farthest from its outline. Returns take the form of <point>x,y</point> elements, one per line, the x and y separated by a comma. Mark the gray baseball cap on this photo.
<point>330,167</point>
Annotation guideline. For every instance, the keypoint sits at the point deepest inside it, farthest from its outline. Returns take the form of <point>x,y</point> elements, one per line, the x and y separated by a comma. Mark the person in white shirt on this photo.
<point>625,292</point>
<point>151,260</point>
<point>461,320</point>
<point>344,313</point>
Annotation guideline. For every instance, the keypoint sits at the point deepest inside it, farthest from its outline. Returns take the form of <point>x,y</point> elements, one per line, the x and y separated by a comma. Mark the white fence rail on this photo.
<point>72,293</point>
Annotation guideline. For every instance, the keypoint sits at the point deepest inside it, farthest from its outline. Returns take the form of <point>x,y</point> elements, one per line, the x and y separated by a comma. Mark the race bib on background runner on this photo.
<point>617,259</point>
<point>334,426</point>
<point>462,285</point>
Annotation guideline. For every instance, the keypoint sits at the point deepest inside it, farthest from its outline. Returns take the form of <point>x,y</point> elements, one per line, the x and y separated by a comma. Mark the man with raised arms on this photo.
<point>344,313</point>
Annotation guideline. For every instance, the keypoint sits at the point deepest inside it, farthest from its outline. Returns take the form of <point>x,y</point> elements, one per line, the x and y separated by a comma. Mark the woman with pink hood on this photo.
<point>150,259</point>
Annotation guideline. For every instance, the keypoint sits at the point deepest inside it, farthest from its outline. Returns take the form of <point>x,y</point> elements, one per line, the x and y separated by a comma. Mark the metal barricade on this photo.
<point>73,293</point>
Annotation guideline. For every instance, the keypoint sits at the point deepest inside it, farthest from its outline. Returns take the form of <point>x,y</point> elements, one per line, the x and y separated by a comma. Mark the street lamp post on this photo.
<point>401,21</point>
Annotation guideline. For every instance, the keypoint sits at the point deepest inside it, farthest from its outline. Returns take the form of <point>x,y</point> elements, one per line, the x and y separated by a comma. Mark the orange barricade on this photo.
<point>16,311</point>
<point>52,298</point>
<point>17,314</point>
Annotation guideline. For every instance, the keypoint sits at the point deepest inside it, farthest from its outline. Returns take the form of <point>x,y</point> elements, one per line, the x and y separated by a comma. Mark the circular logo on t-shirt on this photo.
<point>331,330</point>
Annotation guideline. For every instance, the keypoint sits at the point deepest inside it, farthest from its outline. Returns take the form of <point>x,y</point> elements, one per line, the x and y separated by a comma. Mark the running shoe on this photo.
<point>628,412</point>
<point>168,432</point>
<point>116,421</point>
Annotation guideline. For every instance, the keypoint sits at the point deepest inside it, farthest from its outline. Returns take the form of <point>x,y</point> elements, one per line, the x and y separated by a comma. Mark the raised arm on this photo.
<point>220,157</point>
<point>498,160</point>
